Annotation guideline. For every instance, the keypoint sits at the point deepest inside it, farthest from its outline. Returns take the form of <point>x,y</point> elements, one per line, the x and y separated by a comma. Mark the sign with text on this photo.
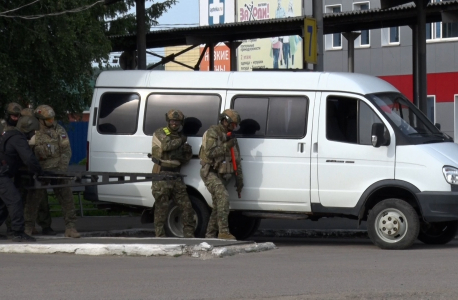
<point>281,52</point>
<point>214,12</point>
<point>310,41</point>
<point>222,59</point>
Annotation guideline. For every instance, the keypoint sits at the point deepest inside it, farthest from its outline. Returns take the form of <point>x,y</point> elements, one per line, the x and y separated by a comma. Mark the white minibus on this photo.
<point>313,145</point>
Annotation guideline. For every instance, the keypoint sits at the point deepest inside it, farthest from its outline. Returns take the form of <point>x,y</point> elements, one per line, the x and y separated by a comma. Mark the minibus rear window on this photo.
<point>201,111</point>
<point>118,113</point>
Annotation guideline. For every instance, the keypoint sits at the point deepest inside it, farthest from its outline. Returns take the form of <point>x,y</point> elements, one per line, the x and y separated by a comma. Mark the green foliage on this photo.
<point>48,60</point>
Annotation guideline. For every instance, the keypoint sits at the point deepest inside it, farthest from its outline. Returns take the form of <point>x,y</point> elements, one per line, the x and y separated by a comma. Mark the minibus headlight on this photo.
<point>450,174</point>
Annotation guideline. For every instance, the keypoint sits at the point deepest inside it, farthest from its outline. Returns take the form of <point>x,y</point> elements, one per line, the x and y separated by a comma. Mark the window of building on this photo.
<point>272,116</point>
<point>439,30</point>
<point>364,39</point>
<point>118,113</point>
<point>391,36</point>
<point>201,111</point>
<point>346,123</point>
<point>431,105</point>
<point>333,41</point>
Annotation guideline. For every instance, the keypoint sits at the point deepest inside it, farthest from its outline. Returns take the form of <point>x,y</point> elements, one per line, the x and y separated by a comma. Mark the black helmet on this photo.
<point>27,124</point>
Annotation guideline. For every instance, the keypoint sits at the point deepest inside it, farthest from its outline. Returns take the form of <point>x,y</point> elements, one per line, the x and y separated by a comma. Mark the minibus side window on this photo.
<point>118,113</point>
<point>272,117</point>
<point>349,120</point>
<point>200,111</point>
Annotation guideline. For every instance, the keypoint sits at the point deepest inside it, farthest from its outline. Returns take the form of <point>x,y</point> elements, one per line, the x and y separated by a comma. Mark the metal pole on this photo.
<point>318,15</point>
<point>351,37</point>
<point>141,34</point>
<point>211,50</point>
<point>420,78</point>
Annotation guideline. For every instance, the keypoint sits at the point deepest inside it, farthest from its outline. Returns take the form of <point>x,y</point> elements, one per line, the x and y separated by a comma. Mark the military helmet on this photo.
<point>44,112</point>
<point>13,109</point>
<point>231,116</point>
<point>27,124</point>
<point>174,114</point>
<point>27,112</point>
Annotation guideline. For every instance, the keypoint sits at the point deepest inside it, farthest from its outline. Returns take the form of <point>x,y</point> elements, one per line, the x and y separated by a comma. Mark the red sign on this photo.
<point>222,59</point>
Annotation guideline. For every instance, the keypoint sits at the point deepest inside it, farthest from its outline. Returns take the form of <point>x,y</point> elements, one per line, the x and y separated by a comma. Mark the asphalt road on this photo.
<point>298,269</point>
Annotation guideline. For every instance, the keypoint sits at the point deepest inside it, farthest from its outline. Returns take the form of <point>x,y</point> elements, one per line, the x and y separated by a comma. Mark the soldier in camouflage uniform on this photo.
<point>217,170</point>
<point>170,150</point>
<point>53,151</point>
<point>44,216</point>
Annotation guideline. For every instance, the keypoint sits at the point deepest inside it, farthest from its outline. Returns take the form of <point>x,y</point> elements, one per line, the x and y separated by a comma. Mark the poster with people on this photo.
<point>280,52</point>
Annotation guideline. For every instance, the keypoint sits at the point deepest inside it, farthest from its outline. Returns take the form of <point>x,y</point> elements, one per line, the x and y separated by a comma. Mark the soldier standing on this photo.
<point>14,150</point>
<point>217,170</point>
<point>170,150</point>
<point>52,148</point>
<point>12,115</point>
<point>44,216</point>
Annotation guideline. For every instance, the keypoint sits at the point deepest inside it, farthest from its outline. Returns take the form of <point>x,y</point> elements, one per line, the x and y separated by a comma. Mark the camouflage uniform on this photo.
<point>216,171</point>
<point>169,152</point>
<point>53,151</point>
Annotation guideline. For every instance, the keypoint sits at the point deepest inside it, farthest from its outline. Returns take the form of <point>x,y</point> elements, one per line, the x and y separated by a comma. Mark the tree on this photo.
<point>48,59</point>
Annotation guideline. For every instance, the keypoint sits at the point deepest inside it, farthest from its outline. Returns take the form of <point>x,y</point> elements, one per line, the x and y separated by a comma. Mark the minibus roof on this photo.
<point>257,80</point>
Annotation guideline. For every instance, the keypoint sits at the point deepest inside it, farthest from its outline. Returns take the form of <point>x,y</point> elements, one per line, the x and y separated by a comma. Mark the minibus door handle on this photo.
<point>300,147</point>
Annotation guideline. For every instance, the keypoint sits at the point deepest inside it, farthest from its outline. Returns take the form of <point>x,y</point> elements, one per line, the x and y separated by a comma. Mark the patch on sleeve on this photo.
<point>63,136</point>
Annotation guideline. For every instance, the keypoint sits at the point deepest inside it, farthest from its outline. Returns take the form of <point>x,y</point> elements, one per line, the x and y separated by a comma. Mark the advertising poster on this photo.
<point>214,12</point>
<point>282,52</point>
<point>222,59</point>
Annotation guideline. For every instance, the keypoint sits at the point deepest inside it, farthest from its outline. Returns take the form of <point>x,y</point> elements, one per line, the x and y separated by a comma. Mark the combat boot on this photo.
<point>72,233</point>
<point>22,237</point>
<point>3,237</point>
<point>34,231</point>
<point>9,233</point>
<point>28,231</point>
<point>48,231</point>
<point>226,236</point>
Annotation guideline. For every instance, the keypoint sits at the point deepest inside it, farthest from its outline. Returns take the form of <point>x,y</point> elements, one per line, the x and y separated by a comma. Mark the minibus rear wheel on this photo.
<point>174,225</point>
<point>439,233</point>
<point>393,224</point>
<point>242,227</point>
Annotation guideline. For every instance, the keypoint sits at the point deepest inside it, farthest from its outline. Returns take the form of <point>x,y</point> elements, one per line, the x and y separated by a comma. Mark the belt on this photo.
<point>167,169</point>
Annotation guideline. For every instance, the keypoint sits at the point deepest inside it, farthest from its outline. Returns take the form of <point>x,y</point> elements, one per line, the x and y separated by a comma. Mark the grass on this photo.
<point>89,208</point>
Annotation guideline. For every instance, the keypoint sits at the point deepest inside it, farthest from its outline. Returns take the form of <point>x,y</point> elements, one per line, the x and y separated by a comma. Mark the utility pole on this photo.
<point>141,34</point>
<point>318,15</point>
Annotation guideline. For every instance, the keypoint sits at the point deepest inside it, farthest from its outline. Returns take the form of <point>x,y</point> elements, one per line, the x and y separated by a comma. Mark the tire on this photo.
<point>242,227</point>
<point>439,233</point>
<point>393,224</point>
<point>174,225</point>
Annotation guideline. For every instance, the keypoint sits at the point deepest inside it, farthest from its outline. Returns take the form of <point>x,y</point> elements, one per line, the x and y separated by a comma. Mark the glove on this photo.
<point>230,143</point>
<point>4,169</point>
<point>239,183</point>
<point>184,139</point>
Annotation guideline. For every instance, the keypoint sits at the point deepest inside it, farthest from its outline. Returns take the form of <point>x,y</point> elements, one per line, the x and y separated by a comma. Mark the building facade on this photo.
<point>387,53</point>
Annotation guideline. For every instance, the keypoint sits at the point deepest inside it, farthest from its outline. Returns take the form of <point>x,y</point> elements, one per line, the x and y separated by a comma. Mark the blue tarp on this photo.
<point>77,133</point>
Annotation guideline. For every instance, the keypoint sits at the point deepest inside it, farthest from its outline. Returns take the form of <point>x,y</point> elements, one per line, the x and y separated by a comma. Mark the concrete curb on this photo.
<point>203,250</point>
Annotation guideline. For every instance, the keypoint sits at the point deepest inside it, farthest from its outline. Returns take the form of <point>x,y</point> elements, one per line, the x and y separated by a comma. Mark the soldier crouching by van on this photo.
<point>217,170</point>
<point>170,150</point>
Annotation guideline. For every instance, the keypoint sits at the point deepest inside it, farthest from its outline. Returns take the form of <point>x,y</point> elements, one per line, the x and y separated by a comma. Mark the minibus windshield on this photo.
<point>408,119</point>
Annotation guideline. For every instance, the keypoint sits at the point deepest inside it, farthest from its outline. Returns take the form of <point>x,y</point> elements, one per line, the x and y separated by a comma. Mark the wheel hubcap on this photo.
<point>391,225</point>
<point>174,222</point>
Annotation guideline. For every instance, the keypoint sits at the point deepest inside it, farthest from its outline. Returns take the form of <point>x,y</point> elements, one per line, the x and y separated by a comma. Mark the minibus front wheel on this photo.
<point>393,224</point>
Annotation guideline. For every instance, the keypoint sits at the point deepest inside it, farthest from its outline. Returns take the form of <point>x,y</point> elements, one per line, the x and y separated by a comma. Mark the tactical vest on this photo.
<point>221,164</point>
<point>48,147</point>
<point>168,160</point>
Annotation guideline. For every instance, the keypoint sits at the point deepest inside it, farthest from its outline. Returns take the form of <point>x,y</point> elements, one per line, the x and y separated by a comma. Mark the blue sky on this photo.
<point>184,12</point>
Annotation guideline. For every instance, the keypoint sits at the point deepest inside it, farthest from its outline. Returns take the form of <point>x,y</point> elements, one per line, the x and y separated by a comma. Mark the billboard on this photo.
<point>281,52</point>
<point>214,12</point>
<point>222,59</point>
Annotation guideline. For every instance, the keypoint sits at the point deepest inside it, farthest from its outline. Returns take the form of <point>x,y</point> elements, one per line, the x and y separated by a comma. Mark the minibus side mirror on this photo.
<point>378,137</point>
<point>438,126</point>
